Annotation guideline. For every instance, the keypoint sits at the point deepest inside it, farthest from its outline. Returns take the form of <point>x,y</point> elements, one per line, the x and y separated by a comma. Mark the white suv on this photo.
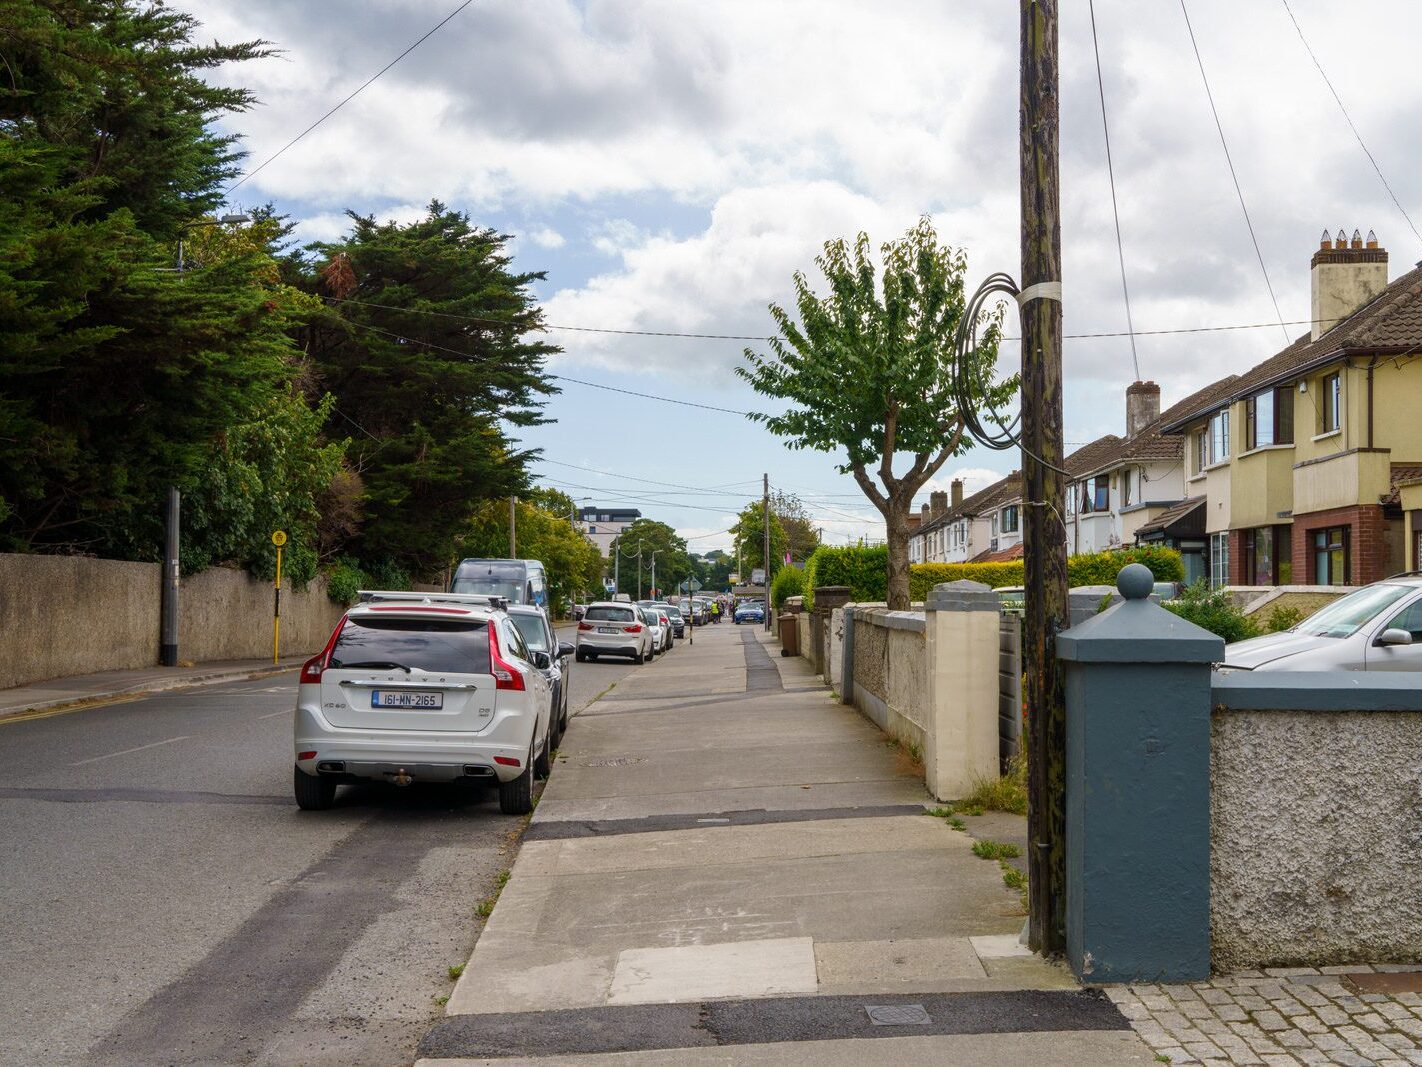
<point>430,687</point>
<point>614,629</point>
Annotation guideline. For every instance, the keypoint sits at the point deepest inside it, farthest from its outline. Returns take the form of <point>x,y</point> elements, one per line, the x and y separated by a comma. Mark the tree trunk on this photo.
<point>896,522</point>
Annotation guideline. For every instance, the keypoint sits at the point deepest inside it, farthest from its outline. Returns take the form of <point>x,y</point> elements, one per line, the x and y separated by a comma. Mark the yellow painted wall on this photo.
<point>1261,486</point>
<point>1397,408</point>
<point>1346,480</point>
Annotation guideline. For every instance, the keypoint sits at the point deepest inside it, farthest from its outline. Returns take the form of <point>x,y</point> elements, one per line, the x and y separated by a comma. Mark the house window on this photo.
<point>1330,556</point>
<point>1127,497</point>
<point>1097,494</point>
<point>1331,415</point>
<point>1219,436</point>
<point>1269,419</point>
<point>1268,556</point>
<point>1219,559</point>
<point>1009,519</point>
<point>1202,451</point>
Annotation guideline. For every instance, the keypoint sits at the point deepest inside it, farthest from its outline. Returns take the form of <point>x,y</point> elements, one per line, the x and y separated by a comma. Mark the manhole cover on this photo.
<point>898,1014</point>
<point>1395,982</point>
<point>614,761</point>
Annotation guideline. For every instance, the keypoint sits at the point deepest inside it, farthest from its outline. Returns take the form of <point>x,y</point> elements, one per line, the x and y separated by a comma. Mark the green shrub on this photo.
<point>863,569</point>
<point>1213,610</point>
<point>788,582</point>
<point>1282,618</point>
<point>344,580</point>
<point>1098,568</point>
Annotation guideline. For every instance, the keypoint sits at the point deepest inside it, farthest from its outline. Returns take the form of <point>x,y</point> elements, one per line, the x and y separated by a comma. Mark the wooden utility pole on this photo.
<point>1044,487</point>
<point>513,524</point>
<point>765,530</point>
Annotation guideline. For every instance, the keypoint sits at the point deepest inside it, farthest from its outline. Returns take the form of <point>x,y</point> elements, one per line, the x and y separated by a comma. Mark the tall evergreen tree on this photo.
<point>427,352</point>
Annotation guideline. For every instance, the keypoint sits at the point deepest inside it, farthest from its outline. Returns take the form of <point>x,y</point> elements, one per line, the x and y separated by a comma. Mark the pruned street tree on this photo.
<point>867,370</point>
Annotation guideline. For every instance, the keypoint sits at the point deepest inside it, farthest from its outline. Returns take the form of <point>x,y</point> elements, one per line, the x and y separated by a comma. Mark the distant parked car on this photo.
<point>750,611</point>
<point>550,656</point>
<point>1375,628</point>
<point>678,620</point>
<point>614,629</point>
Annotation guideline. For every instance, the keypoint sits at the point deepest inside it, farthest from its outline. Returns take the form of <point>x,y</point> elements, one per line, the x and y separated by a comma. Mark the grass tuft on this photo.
<point>456,971</point>
<point>1007,793</point>
<point>996,850</point>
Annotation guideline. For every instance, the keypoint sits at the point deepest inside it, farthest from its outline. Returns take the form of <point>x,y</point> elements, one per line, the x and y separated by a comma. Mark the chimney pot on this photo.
<point>937,504</point>
<point>1357,239</point>
<point>1344,278</point>
<point>1342,241</point>
<point>1326,241</point>
<point>1372,240</point>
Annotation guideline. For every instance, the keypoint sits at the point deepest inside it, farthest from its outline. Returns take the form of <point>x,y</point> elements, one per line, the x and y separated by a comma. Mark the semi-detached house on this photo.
<point>1308,469</point>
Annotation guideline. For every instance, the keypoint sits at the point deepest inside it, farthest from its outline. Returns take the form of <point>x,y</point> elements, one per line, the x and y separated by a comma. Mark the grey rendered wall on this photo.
<point>1316,837</point>
<point>64,615</point>
<point>68,615</point>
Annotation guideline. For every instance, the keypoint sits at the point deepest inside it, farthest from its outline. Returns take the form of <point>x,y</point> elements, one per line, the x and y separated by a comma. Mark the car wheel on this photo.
<point>516,797</point>
<point>638,658</point>
<point>312,794</point>
<point>543,764</point>
<point>580,656</point>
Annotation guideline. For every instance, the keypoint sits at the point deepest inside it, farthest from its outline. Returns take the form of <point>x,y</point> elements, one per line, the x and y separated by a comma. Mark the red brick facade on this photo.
<point>1367,543</point>
<point>1236,559</point>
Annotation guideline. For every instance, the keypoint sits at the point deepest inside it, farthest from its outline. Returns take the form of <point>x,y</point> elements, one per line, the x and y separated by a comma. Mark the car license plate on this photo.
<point>607,629</point>
<point>386,698</point>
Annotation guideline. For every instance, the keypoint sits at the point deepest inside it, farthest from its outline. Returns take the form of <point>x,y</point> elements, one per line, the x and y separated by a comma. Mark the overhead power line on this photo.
<point>360,89</point>
<point>1233,176</point>
<point>743,337</point>
<point>1111,176</point>
<point>1339,100</point>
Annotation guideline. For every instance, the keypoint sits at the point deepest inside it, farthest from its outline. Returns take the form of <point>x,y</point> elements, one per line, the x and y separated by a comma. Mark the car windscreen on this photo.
<point>606,613</point>
<point>535,634</point>
<point>511,590</point>
<point>1347,616</point>
<point>444,646</point>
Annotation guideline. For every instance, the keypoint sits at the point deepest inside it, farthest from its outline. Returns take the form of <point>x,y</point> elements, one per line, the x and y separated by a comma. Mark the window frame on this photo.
<point>1219,437</point>
<point>1011,519</point>
<point>1330,413</point>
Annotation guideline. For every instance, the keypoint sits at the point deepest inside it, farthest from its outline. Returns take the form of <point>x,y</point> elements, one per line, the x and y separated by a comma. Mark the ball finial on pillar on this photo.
<point>1135,582</point>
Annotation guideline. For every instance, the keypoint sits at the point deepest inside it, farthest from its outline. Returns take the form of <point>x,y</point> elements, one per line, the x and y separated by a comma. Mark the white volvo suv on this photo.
<point>428,687</point>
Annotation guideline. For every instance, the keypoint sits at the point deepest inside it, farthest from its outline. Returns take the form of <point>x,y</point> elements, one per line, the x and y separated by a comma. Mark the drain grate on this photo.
<point>614,761</point>
<point>898,1014</point>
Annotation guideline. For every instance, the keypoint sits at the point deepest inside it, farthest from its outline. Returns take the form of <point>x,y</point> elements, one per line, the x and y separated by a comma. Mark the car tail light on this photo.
<point>306,755</point>
<point>632,629</point>
<point>507,761</point>
<point>585,626</point>
<point>506,675</point>
<point>312,668</point>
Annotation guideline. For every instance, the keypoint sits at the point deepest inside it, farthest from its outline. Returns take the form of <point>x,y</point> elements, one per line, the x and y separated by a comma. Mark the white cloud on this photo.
<point>547,237</point>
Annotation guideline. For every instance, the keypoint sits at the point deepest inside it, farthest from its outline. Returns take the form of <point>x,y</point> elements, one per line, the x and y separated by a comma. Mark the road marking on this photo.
<point>125,752</point>
<point>273,715</point>
<point>69,709</point>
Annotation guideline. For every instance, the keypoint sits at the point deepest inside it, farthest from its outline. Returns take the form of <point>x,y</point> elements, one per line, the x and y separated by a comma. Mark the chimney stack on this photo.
<point>1142,406</point>
<point>923,515</point>
<point>937,505</point>
<point>1346,274</point>
<point>957,492</point>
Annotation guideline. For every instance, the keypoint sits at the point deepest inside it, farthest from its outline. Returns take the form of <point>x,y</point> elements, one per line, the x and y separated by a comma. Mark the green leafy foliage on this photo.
<point>868,368</point>
<point>1213,610</point>
<point>863,568</point>
<point>749,539</point>
<point>645,536</point>
<point>1101,568</point>
<point>573,564</point>
<point>425,391</point>
<point>1282,617</point>
<point>343,580</point>
<point>790,581</point>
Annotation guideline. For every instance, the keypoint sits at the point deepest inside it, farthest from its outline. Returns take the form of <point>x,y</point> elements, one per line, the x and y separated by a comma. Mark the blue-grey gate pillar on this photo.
<point>1138,790</point>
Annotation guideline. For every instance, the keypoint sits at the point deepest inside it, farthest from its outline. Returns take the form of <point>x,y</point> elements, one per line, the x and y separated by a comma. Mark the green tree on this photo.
<point>802,536</point>
<point>641,539</point>
<point>868,370</point>
<point>749,538</point>
<point>573,564</point>
<point>426,349</point>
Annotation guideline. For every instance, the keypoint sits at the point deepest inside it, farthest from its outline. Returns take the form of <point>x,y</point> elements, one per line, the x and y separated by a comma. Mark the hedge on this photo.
<point>788,582</point>
<point>865,571</point>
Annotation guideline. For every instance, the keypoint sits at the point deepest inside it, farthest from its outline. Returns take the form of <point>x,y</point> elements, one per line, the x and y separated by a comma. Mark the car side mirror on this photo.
<point>565,649</point>
<point>1395,636</point>
<point>542,660</point>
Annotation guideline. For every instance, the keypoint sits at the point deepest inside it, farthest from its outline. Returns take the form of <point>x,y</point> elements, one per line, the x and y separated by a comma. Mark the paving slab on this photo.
<point>698,972</point>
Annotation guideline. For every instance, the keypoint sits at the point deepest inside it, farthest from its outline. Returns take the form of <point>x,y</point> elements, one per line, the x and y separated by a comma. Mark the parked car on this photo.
<point>1375,628</point>
<point>665,623</point>
<point>613,629</point>
<point>578,610</point>
<point>749,611</point>
<point>678,620</point>
<point>660,627</point>
<point>550,656</point>
<point>519,581</point>
<point>429,687</point>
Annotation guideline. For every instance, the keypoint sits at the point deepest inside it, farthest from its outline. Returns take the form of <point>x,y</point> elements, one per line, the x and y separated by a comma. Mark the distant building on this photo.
<point>601,526</point>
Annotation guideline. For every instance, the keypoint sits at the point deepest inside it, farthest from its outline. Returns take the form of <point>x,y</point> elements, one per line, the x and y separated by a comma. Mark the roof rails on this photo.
<point>388,596</point>
<point>1403,574</point>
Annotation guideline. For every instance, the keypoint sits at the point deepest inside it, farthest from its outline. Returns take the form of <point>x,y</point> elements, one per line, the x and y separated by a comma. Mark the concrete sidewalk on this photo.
<point>86,689</point>
<point>729,867</point>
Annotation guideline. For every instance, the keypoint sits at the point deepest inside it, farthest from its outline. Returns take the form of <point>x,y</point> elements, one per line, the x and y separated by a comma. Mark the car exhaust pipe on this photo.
<point>332,766</point>
<point>402,779</point>
<point>473,771</point>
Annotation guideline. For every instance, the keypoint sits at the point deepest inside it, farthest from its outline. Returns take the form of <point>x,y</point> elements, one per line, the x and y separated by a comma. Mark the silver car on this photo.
<point>611,628</point>
<point>1375,628</point>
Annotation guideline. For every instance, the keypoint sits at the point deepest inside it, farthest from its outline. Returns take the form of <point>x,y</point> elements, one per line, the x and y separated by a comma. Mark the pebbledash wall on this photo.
<point>65,615</point>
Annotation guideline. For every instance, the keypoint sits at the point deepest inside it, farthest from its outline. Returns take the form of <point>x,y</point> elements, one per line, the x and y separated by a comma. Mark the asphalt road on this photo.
<point>163,900</point>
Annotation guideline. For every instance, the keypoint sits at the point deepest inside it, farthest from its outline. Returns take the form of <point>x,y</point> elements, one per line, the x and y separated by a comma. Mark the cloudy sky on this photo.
<point>671,164</point>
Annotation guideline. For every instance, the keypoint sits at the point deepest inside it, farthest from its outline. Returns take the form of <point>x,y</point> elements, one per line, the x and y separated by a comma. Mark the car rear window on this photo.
<point>610,614</point>
<point>446,646</point>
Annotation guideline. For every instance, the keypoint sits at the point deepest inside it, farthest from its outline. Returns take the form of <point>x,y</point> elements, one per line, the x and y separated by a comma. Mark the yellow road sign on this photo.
<point>279,538</point>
